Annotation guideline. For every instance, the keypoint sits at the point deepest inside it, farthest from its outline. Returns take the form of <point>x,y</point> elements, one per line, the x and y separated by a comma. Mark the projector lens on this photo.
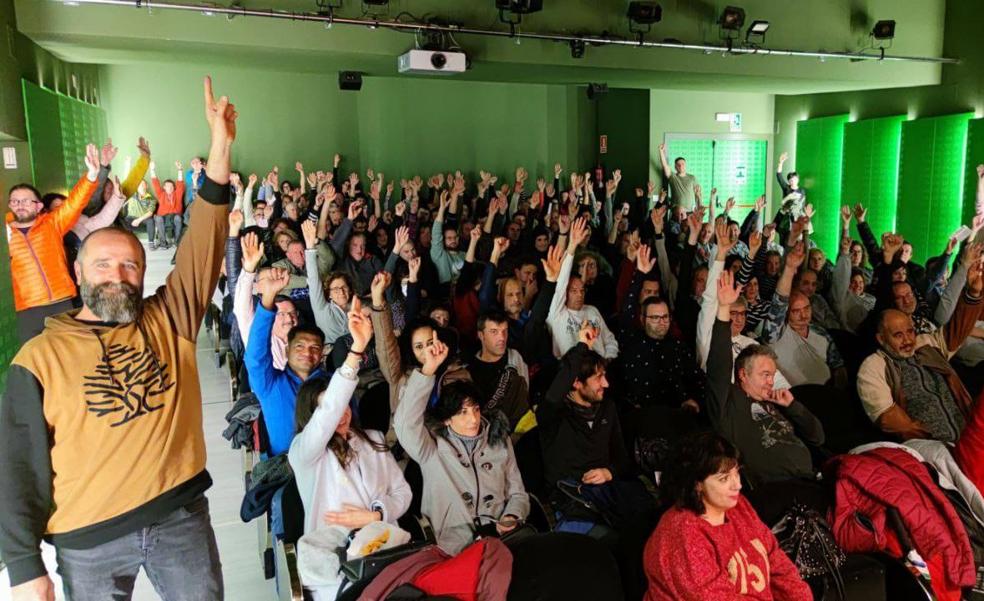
<point>438,60</point>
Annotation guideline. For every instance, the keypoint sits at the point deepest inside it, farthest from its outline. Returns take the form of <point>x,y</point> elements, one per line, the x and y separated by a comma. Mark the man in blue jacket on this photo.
<point>275,388</point>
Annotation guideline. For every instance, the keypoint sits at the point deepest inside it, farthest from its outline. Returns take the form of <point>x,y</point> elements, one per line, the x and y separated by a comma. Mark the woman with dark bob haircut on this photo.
<point>710,545</point>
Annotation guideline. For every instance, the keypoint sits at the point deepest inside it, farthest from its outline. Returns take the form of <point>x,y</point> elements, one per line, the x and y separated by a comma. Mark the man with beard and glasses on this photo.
<point>101,423</point>
<point>38,268</point>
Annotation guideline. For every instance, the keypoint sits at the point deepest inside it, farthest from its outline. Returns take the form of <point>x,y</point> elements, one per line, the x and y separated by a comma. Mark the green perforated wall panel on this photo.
<point>700,159</point>
<point>740,170</point>
<point>736,168</point>
<point>975,157</point>
<point>58,129</point>
<point>871,169</point>
<point>931,181</point>
<point>819,156</point>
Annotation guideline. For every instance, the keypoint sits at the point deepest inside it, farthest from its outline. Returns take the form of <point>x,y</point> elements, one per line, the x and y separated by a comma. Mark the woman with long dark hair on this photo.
<point>710,544</point>
<point>345,476</point>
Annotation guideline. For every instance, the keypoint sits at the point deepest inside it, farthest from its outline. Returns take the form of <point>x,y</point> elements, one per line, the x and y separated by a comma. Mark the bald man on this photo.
<point>807,354</point>
<point>907,386</point>
<point>101,423</point>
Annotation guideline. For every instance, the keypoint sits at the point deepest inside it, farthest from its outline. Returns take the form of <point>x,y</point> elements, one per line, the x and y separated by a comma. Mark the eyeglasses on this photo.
<point>335,289</point>
<point>738,313</point>
<point>291,314</point>
<point>658,317</point>
<point>21,202</point>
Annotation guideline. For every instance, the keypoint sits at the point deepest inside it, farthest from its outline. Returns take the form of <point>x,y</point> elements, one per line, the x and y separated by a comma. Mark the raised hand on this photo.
<point>980,171</point>
<point>658,217</point>
<point>754,242</point>
<point>552,263</point>
<point>845,216</point>
<point>336,160</point>
<point>783,158</point>
<point>91,162</point>
<point>107,153</point>
<point>475,234</point>
<point>402,237</point>
<point>143,146</point>
<point>400,209</point>
<point>727,292</point>
<point>380,282</point>
<point>373,222</point>
<point>891,244</point>
<point>501,244</point>
<point>235,222</point>
<point>354,209</point>
<point>860,212</point>
<point>310,231</point>
<point>276,280</point>
<point>413,269</point>
<point>434,355</point>
<point>557,171</point>
<point>644,259</point>
<point>760,203</point>
<point>220,115</point>
<point>579,233</point>
<point>796,256</point>
<point>975,276</point>
<point>252,252</point>
<point>360,326</point>
<point>587,334</point>
<point>808,211</point>
<point>971,254</point>
<point>724,240</point>
<point>729,204</point>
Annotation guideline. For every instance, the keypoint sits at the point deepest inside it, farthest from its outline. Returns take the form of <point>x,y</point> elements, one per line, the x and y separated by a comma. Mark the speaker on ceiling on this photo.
<point>350,80</point>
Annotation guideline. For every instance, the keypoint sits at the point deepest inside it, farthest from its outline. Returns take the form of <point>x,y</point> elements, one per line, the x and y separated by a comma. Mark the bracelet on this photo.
<point>357,354</point>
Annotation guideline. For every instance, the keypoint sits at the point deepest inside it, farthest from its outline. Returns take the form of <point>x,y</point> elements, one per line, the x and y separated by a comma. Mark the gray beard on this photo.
<point>113,302</point>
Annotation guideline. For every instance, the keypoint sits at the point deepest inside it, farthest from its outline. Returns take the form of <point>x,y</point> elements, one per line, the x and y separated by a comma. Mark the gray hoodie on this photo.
<point>458,487</point>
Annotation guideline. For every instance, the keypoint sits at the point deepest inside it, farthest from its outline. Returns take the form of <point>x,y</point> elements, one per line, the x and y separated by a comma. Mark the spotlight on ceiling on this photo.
<point>756,31</point>
<point>520,7</point>
<point>645,13</point>
<point>577,48</point>
<point>596,89</point>
<point>732,19</point>
<point>883,30</point>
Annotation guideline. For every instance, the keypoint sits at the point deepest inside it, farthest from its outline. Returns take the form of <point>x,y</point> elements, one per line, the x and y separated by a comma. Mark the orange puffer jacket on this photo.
<point>38,266</point>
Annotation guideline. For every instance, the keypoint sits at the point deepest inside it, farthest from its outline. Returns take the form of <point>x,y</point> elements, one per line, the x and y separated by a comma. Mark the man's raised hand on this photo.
<point>727,292</point>
<point>143,146</point>
<point>235,222</point>
<point>359,326</point>
<point>220,115</point>
<point>252,252</point>
<point>91,162</point>
<point>107,153</point>
<point>644,259</point>
<point>553,262</point>
<point>310,232</point>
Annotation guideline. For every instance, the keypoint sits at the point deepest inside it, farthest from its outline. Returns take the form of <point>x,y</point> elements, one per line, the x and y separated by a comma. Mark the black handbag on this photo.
<point>806,538</point>
<point>368,567</point>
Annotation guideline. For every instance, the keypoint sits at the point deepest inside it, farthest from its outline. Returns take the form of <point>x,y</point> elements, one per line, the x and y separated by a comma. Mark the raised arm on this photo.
<point>65,217</point>
<point>188,290</point>
<point>408,421</point>
<point>720,362</point>
<point>667,172</point>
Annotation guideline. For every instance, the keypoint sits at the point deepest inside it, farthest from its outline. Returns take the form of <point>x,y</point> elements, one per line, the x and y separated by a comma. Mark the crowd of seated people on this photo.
<point>534,358</point>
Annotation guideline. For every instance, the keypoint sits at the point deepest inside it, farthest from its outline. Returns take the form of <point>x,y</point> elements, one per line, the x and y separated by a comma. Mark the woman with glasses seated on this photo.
<point>710,544</point>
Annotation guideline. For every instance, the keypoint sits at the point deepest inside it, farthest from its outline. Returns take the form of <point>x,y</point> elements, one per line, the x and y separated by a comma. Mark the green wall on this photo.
<point>399,126</point>
<point>819,152</point>
<point>871,169</point>
<point>623,116</point>
<point>931,168</point>
<point>22,58</point>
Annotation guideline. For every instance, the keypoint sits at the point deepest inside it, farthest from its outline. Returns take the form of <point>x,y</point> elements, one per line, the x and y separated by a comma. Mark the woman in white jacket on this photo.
<point>345,476</point>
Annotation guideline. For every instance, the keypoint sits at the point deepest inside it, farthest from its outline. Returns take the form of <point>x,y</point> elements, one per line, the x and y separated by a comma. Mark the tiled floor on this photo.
<point>241,567</point>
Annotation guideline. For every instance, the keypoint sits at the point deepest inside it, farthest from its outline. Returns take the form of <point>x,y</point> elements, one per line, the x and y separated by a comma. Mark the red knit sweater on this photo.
<point>688,559</point>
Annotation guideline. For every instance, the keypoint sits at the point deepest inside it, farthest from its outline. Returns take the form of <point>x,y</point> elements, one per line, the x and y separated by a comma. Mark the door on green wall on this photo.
<point>736,167</point>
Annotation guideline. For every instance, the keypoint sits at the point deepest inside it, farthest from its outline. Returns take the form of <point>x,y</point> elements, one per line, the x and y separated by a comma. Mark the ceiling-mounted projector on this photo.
<point>433,62</point>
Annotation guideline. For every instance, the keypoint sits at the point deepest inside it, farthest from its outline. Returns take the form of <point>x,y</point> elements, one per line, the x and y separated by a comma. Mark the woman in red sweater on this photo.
<point>710,545</point>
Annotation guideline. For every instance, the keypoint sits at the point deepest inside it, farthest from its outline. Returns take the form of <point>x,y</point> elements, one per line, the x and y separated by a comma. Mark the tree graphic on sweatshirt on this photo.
<point>124,383</point>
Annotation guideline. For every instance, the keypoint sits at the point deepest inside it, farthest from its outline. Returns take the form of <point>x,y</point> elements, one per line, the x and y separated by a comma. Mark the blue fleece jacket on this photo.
<point>275,388</point>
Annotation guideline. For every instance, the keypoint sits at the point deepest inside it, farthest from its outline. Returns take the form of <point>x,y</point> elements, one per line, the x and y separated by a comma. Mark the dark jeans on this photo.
<point>149,225</point>
<point>178,553</point>
<point>162,221</point>
<point>30,322</point>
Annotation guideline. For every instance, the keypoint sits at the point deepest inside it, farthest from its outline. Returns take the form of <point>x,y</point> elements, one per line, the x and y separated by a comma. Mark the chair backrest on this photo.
<point>293,512</point>
<point>529,458</point>
<point>845,425</point>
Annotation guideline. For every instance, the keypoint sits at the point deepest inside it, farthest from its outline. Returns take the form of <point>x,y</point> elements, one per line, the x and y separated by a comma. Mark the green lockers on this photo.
<point>931,181</point>
<point>59,127</point>
<point>736,168</point>
<point>819,154</point>
<point>975,157</point>
<point>871,170</point>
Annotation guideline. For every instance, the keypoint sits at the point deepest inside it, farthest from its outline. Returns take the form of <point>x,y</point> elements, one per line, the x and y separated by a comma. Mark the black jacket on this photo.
<point>576,439</point>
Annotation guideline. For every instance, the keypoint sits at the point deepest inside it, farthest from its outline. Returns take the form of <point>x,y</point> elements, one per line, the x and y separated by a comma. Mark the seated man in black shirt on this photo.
<point>659,369</point>
<point>499,372</point>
